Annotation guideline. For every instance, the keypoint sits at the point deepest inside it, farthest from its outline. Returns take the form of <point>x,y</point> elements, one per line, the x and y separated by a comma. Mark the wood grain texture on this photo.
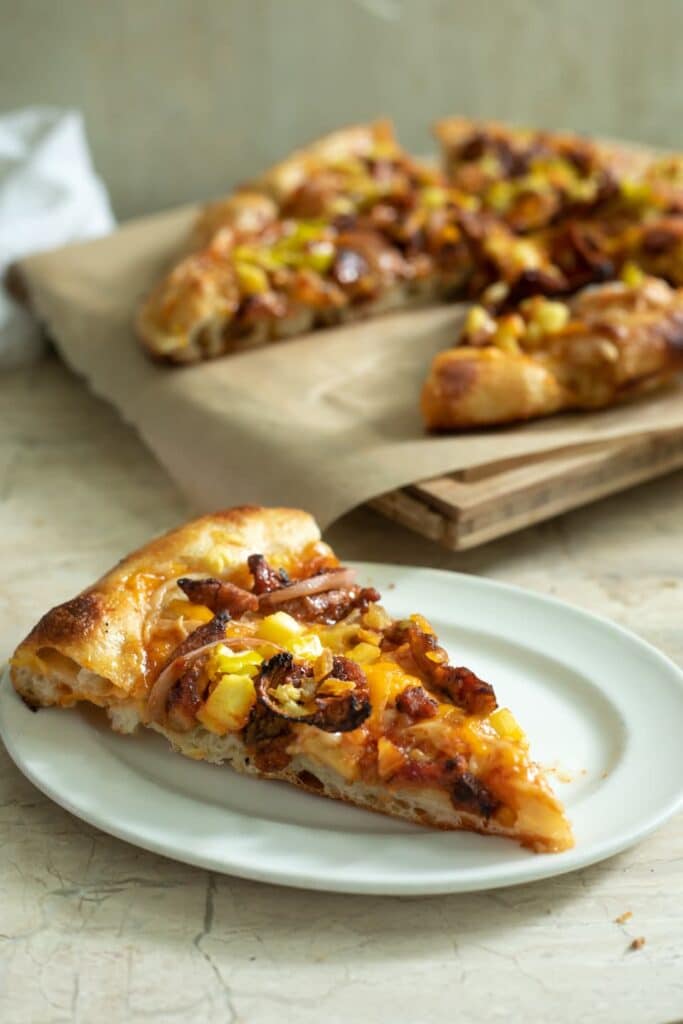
<point>467,509</point>
<point>183,100</point>
<point>93,929</point>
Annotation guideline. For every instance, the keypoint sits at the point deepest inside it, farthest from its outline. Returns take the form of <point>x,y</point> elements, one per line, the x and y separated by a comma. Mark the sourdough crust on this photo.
<point>100,630</point>
<point>359,140</point>
<point>244,212</point>
<point>421,805</point>
<point>471,386</point>
<point>200,291</point>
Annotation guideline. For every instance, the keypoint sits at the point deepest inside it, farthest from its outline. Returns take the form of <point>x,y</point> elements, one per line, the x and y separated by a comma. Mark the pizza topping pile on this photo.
<point>284,673</point>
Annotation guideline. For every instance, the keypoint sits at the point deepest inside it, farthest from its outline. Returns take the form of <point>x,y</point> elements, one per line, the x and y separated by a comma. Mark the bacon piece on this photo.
<point>331,606</point>
<point>460,685</point>
<point>179,663</point>
<point>463,687</point>
<point>415,702</point>
<point>467,792</point>
<point>265,579</point>
<point>185,697</point>
<point>327,607</point>
<point>219,596</point>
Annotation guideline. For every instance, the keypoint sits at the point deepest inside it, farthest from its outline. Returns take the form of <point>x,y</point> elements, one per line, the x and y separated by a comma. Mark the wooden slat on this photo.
<point>462,513</point>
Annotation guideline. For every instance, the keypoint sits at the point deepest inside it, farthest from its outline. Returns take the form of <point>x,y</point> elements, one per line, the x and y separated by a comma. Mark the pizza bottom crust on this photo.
<point>425,806</point>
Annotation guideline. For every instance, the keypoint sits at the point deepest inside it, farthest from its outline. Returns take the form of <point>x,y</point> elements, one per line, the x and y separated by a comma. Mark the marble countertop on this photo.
<point>95,930</point>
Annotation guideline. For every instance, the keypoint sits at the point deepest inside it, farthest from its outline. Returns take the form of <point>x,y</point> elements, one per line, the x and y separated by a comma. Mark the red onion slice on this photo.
<point>334,580</point>
<point>156,702</point>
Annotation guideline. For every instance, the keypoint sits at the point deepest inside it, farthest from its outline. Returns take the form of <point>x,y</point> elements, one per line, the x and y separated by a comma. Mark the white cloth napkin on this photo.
<point>49,195</point>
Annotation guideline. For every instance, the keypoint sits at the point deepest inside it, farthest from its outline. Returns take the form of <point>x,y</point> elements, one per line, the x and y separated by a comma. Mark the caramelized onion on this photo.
<point>334,580</point>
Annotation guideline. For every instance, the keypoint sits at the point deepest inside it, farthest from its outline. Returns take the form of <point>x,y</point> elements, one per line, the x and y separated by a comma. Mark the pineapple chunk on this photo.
<point>364,653</point>
<point>479,321</point>
<point>228,707</point>
<point>307,648</point>
<point>510,329</point>
<point>224,661</point>
<point>551,317</point>
<point>506,725</point>
<point>389,758</point>
<point>632,275</point>
<point>280,628</point>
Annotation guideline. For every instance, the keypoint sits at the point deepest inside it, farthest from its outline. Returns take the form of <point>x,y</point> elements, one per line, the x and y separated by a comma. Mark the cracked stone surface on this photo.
<point>95,930</point>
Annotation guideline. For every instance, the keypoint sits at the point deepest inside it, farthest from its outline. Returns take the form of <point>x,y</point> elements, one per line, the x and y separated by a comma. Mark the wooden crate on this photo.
<point>469,508</point>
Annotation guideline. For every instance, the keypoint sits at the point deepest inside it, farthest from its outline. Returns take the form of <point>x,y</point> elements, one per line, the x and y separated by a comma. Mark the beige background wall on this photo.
<point>184,98</point>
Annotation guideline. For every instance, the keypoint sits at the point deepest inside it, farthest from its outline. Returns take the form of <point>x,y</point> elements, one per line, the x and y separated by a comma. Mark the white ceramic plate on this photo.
<point>598,704</point>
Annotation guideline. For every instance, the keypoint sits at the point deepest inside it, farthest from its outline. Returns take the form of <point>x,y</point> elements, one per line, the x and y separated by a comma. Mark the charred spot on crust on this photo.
<point>469,793</point>
<point>70,621</point>
<point>457,377</point>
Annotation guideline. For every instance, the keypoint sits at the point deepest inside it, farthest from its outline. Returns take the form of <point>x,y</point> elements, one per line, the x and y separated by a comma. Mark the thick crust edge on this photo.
<point>99,632</point>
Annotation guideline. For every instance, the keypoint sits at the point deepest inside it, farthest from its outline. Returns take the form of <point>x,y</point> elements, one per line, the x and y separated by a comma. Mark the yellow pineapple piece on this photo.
<point>229,705</point>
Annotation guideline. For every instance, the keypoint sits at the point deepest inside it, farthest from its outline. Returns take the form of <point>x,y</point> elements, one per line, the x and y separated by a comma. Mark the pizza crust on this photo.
<point>360,140</point>
<point>91,647</point>
<point>622,342</point>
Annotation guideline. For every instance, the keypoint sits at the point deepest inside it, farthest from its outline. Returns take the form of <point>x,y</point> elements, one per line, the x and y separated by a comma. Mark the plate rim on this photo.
<point>541,867</point>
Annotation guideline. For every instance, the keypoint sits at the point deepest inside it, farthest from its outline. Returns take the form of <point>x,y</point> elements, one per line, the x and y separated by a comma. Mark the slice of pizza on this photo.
<point>606,344</point>
<point>241,639</point>
<point>348,227</point>
<point>533,178</point>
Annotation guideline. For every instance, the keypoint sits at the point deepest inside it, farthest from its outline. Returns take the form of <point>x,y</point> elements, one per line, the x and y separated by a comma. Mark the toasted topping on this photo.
<point>265,578</point>
<point>219,595</point>
<point>338,702</point>
<point>460,685</point>
<point>415,702</point>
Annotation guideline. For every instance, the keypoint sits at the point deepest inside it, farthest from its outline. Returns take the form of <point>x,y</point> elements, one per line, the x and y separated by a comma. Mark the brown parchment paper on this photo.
<point>324,422</point>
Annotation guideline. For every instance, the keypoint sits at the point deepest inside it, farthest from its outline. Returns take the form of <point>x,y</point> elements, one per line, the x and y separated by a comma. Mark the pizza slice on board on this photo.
<point>604,345</point>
